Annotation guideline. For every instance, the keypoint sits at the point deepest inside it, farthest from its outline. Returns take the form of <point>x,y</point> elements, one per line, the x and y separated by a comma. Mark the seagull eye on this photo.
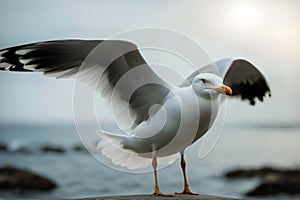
<point>203,81</point>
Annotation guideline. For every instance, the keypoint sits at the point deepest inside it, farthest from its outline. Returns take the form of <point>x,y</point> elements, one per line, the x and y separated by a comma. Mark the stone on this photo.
<point>78,148</point>
<point>3,147</point>
<point>12,178</point>
<point>273,181</point>
<point>52,149</point>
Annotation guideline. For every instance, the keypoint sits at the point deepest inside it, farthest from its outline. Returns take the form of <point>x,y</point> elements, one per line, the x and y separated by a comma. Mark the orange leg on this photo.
<point>186,189</point>
<point>157,192</point>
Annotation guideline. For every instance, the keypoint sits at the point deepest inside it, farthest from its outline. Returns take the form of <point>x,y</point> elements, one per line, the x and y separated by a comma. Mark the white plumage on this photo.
<point>172,129</point>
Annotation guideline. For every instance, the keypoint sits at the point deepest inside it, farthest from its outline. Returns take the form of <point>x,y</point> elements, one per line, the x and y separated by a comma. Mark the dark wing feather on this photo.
<point>64,58</point>
<point>9,60</point>
<point>244,78</point>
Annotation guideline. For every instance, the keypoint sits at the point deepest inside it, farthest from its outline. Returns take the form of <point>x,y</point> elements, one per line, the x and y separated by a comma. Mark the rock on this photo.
<point>78,148</point>
<point>151,197</point>
<point>3,147</point>
<point>274,181</point>
<point>277,184</point>
<point>52,149</point>
<point>14,178</point>
<point>247,173</point>
<point>23,150</point>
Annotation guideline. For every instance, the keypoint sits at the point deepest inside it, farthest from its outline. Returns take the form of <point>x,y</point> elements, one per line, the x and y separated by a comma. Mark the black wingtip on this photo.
<point>247,81</point>
<point>11,60</point>
<point>251,92</point>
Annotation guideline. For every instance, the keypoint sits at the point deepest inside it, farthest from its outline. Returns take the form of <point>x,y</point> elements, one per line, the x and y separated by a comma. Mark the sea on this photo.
<point>78,174</point>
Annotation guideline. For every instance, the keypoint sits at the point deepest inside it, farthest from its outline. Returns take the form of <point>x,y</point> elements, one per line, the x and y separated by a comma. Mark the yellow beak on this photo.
<point>224,89</point>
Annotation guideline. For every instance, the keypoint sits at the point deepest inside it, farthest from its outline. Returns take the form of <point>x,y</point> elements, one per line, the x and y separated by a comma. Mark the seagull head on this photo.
<point>210,84</point>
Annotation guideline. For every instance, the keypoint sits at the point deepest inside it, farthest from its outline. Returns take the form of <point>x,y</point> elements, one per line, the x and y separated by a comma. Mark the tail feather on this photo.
<point>111,146</point>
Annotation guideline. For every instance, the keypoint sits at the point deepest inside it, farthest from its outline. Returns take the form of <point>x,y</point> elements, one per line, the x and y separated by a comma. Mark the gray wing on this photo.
<point>64,58</point>
<point>244,78</point>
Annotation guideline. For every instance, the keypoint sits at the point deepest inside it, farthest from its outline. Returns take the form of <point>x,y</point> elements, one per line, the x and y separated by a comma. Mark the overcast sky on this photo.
<point>264,32</point>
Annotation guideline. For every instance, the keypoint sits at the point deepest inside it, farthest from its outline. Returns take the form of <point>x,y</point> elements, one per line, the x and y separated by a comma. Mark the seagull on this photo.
<point>166,118</point>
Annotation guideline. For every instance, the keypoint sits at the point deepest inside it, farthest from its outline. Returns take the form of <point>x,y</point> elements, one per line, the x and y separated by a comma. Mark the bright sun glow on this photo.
<point>245,15</point>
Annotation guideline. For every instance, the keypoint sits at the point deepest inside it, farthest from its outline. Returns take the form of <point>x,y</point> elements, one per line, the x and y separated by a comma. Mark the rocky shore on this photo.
<point>273,181</point>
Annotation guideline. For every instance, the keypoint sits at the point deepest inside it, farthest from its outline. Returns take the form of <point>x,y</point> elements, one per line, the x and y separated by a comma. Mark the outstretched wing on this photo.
<point>244,78</point>
<point>103,68</point>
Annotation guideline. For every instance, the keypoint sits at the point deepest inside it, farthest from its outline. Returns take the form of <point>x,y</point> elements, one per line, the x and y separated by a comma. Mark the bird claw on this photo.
<point>187,191</point>
<point>159,193</point>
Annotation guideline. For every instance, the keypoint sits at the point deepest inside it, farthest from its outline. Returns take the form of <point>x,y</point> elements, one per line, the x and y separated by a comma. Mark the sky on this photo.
<point>264,32</point>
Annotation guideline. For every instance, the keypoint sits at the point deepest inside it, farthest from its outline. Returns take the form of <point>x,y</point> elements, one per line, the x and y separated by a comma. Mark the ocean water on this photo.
<point>78,174</point>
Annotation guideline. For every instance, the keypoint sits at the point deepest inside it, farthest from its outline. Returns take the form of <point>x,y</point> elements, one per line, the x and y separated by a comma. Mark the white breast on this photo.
<point>183,119</point>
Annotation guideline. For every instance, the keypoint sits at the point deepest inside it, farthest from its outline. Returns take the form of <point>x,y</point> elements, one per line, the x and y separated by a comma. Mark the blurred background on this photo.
<point>37,110</point>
